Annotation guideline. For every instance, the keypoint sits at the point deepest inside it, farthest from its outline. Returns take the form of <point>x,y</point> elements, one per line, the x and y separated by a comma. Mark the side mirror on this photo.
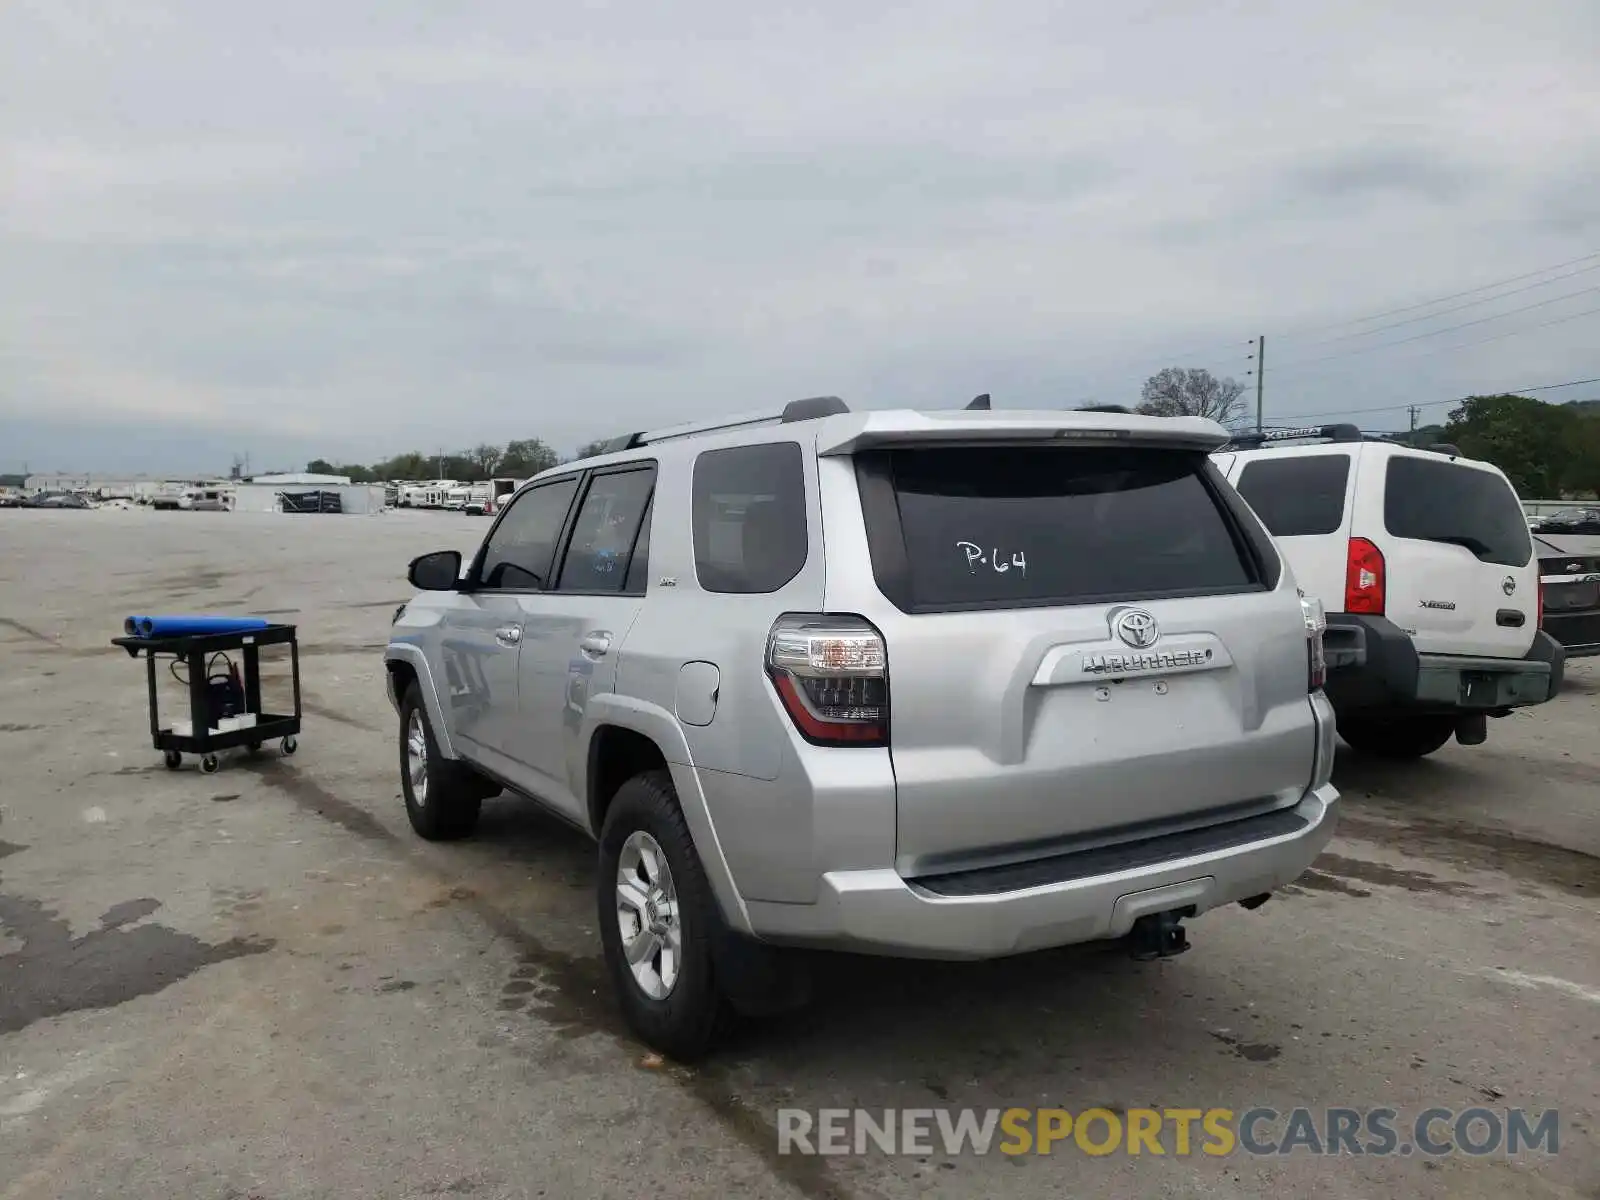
<point>436,572</point>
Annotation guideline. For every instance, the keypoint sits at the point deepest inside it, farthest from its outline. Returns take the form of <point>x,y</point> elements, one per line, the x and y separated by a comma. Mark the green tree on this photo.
<point>321,466</point>
<point>590,449</point>
<point>409,466</point>
<point>526,458</point>
<point>1582,475</point>
<point>1534,443</point>
<point>1191,392</point>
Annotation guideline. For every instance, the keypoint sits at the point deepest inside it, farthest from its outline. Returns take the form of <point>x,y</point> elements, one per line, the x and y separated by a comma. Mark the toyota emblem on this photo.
<point>1508,585</point>
<point>1136,627</point>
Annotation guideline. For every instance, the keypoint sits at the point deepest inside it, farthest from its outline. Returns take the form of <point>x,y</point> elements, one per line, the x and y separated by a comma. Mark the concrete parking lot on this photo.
<point>259,984</point>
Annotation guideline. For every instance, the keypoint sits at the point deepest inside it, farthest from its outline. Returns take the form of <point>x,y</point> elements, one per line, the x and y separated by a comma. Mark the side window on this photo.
<point>602,537</point>
<point>639,566</point>
<point>522,545</point>
<point>749,517</point>
<point>1299,495</point>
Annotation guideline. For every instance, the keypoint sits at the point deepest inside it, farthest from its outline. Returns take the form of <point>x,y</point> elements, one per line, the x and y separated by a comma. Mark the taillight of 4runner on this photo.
<point>1316,657</point>
<point>1363,578</point>
<point>832,674</point>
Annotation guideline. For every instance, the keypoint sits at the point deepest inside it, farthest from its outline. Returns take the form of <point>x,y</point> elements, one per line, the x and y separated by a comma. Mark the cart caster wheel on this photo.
<point>253,749</point>
<point>290,745</point>
<point>173,759</point>
<point>209,764</point>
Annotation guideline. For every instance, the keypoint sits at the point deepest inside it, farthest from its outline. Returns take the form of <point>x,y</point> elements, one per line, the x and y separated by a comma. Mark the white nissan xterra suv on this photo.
<point>951,685</point>
<point>1424,564</point>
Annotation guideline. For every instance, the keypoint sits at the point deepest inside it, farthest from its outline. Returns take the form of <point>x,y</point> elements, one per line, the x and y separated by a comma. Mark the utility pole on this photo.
<point>1261,375</point>
<point>1259,357</point>
<point>1414,410</point>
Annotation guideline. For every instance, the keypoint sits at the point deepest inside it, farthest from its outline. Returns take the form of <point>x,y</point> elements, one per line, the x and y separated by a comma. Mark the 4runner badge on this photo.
<point>1508,585</point>
<point>1136,627</point>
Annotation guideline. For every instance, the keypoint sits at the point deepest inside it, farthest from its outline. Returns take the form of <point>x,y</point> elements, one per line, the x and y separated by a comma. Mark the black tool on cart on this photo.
<point>224,703</point>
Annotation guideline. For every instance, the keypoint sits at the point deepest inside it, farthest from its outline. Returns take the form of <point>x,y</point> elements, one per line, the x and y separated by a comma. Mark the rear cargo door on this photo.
<point>1084,647</point>
<point>1458,558</point>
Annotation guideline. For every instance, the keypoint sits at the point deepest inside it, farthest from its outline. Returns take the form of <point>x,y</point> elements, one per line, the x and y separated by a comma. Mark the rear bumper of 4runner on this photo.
<point>880,912</point>
<point>1374,664</point>
<point>1089,895</point>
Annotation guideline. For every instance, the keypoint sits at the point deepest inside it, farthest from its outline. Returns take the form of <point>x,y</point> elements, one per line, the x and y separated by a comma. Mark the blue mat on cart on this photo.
<point>165,627</point>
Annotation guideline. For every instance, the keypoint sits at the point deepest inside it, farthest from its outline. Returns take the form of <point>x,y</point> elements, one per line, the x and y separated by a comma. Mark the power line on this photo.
<point>1487,287</point>
<point>1417,337</point>
<point>1345,337</point>
<point>1516,391</point>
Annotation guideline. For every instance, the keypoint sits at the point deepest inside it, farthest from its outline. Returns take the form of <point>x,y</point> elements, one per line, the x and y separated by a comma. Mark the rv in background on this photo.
<point>425,494</point>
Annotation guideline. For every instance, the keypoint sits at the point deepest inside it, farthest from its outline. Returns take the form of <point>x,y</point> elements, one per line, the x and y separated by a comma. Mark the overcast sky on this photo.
<point>357,227</point>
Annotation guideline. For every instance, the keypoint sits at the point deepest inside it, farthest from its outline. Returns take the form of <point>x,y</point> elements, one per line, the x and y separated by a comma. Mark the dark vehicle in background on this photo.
<point>1569,581</point>
<point>1570,520</point>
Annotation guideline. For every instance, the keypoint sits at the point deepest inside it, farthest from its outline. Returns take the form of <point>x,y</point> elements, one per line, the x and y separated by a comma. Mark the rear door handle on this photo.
<point>1511,618</point>
<point>596,644</point>
<point>508,636</point>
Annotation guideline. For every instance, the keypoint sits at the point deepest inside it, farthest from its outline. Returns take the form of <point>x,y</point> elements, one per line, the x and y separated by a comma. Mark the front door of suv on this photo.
<point>482,638</point>
<point>573,634</point>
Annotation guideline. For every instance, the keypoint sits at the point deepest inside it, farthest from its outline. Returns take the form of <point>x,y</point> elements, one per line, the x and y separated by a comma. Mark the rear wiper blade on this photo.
<point>1479,548</point>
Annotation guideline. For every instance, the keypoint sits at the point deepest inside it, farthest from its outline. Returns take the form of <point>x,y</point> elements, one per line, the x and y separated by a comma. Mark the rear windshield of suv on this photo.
<point>1297,495</point>
<point>1435,500</point>
<point>1023,526</point>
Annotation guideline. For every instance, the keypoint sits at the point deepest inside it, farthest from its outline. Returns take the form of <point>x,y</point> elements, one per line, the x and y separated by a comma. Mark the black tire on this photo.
<point>453,796</point>
<point>683,1024</point>
<point>1394,736</point>
<point>173,759</point>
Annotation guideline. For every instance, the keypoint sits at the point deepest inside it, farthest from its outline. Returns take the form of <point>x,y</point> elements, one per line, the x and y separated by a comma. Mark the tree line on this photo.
<point>519,459</point>
<point>1548,451</point>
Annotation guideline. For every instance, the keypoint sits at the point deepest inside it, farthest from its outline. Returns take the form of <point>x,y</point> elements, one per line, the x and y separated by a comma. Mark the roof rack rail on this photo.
<point>1444,448</point>
<point>796,410</point>
<point>1324,433</point>
<point>1113,408</point>
<point>979,403</point>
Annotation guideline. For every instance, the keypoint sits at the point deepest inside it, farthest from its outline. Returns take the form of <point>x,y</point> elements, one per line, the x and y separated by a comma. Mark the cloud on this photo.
<point>1374,173</point>
<point>387,222</point>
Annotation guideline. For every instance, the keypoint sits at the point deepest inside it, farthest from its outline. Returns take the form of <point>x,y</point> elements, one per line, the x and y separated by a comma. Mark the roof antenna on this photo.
<point>979,403</point>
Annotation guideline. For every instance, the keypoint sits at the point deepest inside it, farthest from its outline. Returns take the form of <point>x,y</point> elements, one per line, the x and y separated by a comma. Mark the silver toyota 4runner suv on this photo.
<point>933,684</point>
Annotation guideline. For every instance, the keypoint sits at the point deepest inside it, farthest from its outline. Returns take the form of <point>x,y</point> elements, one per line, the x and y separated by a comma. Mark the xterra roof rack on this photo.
<point>1328,433</point>
<point>809,409</point>
<point>1322,433</point>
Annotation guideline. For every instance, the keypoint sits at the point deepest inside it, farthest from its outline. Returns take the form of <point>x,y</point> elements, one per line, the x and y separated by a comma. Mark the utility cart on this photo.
<point>224,703</point>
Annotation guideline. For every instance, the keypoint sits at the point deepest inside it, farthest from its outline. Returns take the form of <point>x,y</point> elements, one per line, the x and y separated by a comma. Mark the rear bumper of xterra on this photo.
<point>1374,665</point>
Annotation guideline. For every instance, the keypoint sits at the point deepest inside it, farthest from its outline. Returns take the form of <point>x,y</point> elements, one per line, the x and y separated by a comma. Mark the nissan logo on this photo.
<point>1136,627</point>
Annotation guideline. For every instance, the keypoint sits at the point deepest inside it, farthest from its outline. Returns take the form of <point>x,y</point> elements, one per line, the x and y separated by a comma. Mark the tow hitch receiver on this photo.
<point>1159,935</point>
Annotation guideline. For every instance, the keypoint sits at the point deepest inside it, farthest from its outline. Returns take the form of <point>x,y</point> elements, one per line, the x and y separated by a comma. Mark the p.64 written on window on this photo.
<point>1000,561</point>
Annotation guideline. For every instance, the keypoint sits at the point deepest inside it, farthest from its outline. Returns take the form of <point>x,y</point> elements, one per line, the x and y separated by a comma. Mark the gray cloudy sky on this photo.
<point>357,227</point>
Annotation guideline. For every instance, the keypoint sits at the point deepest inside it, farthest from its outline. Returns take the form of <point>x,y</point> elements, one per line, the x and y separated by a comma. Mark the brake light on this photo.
<point>1316,655</point>
<point>1363,578</point>
<point>832,675</point>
